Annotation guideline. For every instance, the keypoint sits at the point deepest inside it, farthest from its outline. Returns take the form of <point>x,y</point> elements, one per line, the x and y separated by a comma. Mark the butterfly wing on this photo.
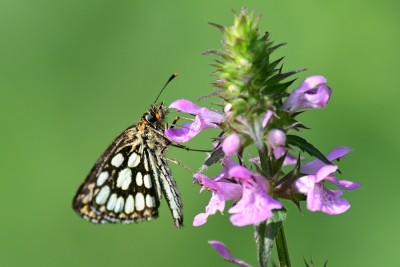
<point>120,187</point>
<point>166,183</point>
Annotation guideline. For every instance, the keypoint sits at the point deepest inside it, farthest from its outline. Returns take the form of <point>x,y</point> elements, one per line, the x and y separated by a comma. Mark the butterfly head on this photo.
<point>155,115</point>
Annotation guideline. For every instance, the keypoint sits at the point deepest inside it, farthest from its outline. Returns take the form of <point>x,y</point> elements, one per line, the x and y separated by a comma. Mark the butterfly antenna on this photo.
<point>165,85</point>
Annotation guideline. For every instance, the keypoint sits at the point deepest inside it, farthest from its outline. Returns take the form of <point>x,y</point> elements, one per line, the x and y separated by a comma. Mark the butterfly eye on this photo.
<point>151,118</point>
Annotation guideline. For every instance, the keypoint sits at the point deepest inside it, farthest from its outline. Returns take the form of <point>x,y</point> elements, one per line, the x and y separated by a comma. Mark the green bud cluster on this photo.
<point>249,80</point>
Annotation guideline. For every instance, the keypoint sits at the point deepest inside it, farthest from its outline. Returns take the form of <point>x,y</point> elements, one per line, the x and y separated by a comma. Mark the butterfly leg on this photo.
<point>180,164</point>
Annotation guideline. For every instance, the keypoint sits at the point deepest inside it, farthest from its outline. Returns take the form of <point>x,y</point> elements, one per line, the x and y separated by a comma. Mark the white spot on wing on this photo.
<point>119,205</point>
<point>102,178</point>
<point>117,160</point>
<point>139,202</point>
<point>124,178</point>
<point>139,179</point>
<point>147,181</point>
<point>150,201</point>
<point>111,202</point>
<point>129,204</point>
<point>103,195</point>
<point>133,160</point>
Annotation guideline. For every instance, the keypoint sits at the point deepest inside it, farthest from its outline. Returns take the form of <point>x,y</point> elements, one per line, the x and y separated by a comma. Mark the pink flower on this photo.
<point>236,182</point>
<point>319,198</point>
<point>256,205</point>
<point>204,119</point>
<point>222,191</point>
<point>277,138</point>
<point>312,93</point>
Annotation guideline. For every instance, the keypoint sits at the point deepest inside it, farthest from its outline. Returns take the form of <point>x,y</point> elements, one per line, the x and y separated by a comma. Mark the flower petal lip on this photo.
<point>200,219</point>
<point>327,201</point>
<point>185,106</point>
<point>346,185</point>
<point>222,190</point>
<point>180,135</point>
<point>216,204</point>
<point>224,252</point>
<point>191,108</point>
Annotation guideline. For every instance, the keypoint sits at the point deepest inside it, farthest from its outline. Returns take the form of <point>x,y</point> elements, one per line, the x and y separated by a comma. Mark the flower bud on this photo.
<point>312,93</point>
<point>277,138</point>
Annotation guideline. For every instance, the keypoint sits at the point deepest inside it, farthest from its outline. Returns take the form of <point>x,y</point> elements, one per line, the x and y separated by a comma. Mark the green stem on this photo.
<point>271,231</point>
<point>281,246</point>
<point>259,236</point>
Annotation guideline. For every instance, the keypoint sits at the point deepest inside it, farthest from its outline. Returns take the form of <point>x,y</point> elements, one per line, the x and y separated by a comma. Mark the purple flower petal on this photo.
<point>180,135</point>
<point>347,185</point>
<point>227,190</point>
<point>231,144</point>
<point>327,201</point>
<point>320,198</point>
<point>224,252</point>
<point>205,181</point>
<point>221,192</point>
<point>205,118</point>
<point>215,204</point>
<point>200,219</point>
<point>267,117</point>
<point>313,166</point>
<point>324,172</point>
<point>290,159</point>
<point>305,184</point>
<point>254,207</point>
<point>312,93</point>
<point>338,152</point>
<point>240,172</point>
<point>185,106</point>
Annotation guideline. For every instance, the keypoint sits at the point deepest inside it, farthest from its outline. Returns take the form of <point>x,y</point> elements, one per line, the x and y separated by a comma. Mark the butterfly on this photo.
<point>128,181</point>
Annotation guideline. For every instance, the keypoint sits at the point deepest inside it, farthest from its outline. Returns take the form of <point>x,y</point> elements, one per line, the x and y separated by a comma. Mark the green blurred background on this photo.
<point>73,74</point>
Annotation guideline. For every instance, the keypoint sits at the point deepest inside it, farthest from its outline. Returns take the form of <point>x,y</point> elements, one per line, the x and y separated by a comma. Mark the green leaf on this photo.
<point>215,157</point>
<point>276,88</point>
<point>275,222</point>
<point>306,147</point>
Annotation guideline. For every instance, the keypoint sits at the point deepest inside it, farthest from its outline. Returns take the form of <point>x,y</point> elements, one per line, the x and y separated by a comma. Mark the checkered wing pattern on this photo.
<point>129,179</point>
